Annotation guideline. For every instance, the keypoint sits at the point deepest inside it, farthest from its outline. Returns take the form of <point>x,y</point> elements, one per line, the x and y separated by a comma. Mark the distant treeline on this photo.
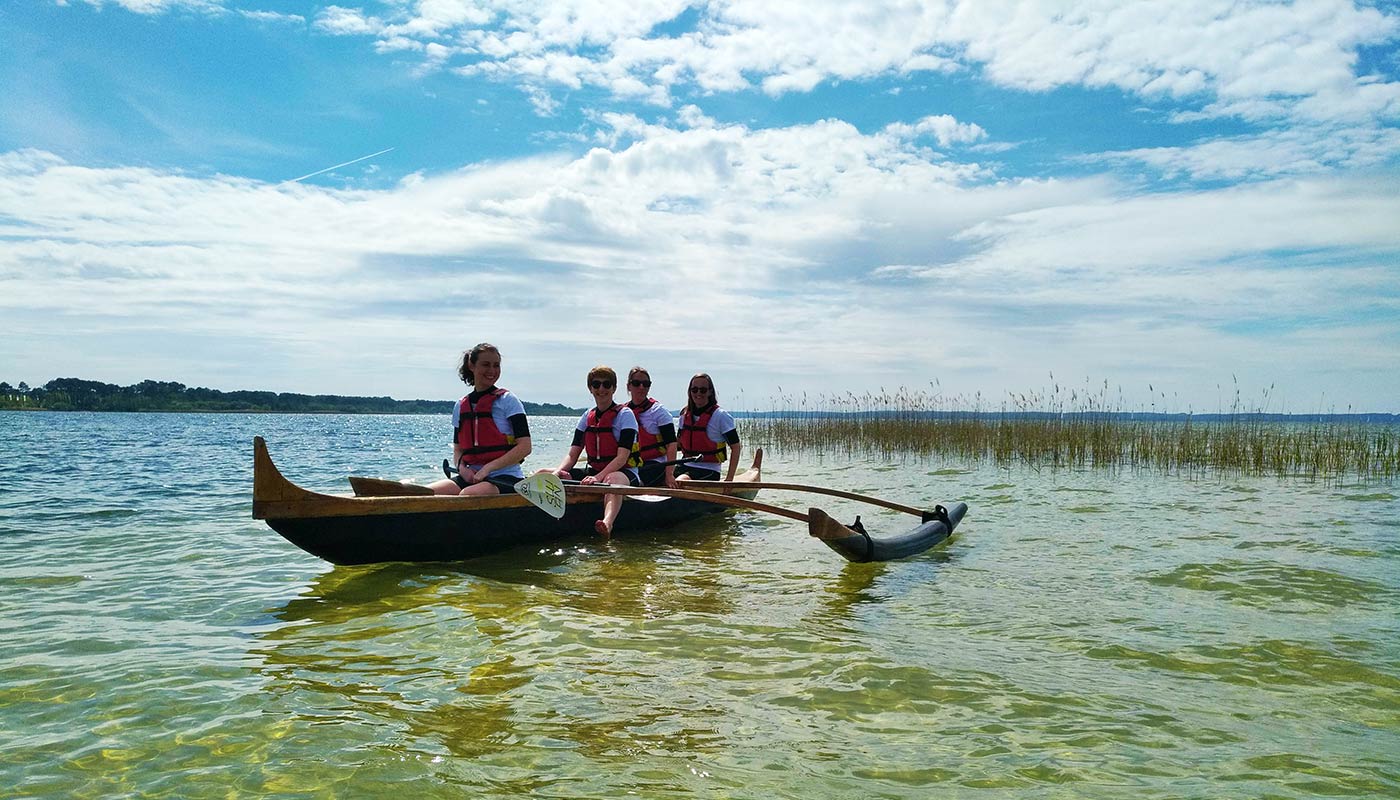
<point>74,394</point>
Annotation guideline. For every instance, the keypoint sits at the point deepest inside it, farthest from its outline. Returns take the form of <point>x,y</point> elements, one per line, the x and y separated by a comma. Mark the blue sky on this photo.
<point>795,197</point>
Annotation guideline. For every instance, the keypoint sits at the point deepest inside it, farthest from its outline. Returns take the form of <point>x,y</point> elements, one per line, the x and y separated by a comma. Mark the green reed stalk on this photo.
<point>1047,429</point>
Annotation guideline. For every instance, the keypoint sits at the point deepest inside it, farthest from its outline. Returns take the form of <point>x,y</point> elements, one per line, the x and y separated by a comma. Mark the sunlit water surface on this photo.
<point>1085,634</point>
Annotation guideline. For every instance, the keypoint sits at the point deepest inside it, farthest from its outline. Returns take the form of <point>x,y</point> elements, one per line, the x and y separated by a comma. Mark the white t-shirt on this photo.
<point>651,421</point>
<point>505,407</point>
<point>720,423</point>
<point>624,421</point>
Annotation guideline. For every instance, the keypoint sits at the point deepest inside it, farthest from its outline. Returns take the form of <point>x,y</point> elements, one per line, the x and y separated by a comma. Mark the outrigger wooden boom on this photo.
<point>851,541</point>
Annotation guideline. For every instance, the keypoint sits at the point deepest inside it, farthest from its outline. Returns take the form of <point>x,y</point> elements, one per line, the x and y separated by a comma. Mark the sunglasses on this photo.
<point>699,390</point>
<point>600,384</point>
<point>643,384</point>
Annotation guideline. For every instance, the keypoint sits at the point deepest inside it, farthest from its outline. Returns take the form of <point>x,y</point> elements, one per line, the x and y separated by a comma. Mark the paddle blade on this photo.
<point>545,491</point>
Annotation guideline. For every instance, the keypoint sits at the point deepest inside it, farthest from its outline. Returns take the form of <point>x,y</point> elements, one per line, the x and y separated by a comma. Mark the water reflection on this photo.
<point>427,653</point>
<point>853,588</point>
<point>462,654</point>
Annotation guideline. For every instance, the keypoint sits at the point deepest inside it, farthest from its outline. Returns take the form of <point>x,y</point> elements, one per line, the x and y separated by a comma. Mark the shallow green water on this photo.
<point>1084,635</point>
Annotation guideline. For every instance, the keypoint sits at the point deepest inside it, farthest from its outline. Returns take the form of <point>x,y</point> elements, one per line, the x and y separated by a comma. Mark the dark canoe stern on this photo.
<point>855,545</point>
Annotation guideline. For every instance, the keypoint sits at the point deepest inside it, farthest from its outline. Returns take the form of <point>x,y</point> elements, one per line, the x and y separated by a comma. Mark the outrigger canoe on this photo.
<point>390,521</point>
<point>367,530</point>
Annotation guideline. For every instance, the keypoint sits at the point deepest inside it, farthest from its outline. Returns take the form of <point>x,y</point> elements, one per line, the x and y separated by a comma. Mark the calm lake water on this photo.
<point>1085,634</point>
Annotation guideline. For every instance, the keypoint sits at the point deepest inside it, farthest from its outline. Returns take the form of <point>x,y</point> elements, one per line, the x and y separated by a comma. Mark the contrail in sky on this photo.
<point>337,166</point>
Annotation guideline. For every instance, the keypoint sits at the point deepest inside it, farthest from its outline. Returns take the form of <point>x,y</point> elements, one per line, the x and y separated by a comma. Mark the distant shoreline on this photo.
<point>75,394</point>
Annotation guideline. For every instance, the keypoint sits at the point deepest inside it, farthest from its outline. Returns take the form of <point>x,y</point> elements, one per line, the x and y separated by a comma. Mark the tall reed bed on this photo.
<point>1064,427</point>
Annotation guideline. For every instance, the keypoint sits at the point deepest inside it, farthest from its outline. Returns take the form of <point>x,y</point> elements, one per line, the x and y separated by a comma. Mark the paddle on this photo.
<point>545,491</point>
<point>649,497</point>
<point>685,460</point>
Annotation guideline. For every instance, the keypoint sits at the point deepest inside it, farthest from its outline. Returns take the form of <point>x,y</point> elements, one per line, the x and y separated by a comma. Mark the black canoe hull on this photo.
<point>461,535</point>
<point>861,547</point>
<point>371,530</point>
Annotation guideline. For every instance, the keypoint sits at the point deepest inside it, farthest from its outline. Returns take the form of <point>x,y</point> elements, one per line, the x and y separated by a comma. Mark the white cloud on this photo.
<point>1294,151</point>
<point>347,22</point>
<point>273,16</point>
<point>943,127</point>
<point>693,117</point>
<point>778,243</point>
<point>1286,248</point>
<point>159,6</point>
<point>1253,59</point>
<point>1287,68</point>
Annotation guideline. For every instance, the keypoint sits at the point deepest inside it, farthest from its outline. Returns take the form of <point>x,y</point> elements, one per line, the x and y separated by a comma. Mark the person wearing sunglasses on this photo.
<point>606,433</point>
<point>490,434</point>
<point>707,431</point>
<point>656,432</point>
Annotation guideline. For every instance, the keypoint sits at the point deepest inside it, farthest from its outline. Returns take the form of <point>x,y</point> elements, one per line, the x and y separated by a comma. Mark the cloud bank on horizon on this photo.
<point>796,197</point>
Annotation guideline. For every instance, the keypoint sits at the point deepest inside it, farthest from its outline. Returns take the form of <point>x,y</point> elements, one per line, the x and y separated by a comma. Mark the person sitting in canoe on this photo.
<point>490,434</point>
<point>656,432</point>
<point>607,433</point>
<point>707,431</point>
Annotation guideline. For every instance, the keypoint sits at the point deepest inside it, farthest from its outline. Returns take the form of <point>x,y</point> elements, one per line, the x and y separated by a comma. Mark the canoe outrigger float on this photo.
<point>390,521</point>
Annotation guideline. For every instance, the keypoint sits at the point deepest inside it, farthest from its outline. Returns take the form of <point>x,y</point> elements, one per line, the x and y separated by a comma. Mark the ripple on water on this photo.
<point>1266,663</point>
<point>1310,545</point>
<point>40,581</point>
<point>1304,772</point>
<point>1269,585</point>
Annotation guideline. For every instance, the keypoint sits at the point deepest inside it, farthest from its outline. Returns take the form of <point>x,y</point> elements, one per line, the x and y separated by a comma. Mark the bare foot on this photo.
<point>603,529</point>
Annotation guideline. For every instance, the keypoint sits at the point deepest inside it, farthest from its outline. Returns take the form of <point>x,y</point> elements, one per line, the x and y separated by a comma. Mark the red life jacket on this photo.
<point>649,444</point>
<point>477,433</point>
<point>598,440</point>
<point>693,439</point>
